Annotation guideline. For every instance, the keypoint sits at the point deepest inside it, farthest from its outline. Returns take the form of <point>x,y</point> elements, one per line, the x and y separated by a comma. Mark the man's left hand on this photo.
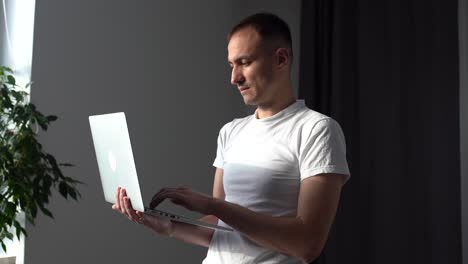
<point>185,197</point>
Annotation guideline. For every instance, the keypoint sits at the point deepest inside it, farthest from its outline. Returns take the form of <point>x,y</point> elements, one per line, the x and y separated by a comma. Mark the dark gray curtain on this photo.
<point>387,71</point>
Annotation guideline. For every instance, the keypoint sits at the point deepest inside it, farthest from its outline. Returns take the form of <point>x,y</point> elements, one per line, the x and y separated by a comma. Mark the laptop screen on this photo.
<point>115,157</point>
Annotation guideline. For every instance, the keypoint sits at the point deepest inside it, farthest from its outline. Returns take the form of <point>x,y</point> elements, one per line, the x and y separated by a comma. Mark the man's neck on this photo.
<point>264,111</point>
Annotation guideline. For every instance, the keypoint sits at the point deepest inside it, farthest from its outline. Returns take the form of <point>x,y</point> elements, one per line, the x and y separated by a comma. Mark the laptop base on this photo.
<point>183,219</point>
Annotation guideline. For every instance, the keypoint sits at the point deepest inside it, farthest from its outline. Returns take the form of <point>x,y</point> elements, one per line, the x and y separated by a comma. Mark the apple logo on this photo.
<point>112,161</point>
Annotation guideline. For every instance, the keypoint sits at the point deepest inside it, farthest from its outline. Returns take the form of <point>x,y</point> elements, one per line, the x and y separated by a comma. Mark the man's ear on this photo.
<point>282,57</point>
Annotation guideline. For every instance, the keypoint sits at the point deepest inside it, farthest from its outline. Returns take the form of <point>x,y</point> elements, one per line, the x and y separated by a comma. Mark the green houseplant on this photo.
<point>27,173</point>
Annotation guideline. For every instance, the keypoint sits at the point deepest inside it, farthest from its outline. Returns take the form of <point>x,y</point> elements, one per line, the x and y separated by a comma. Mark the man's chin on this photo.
<point>249,102</point>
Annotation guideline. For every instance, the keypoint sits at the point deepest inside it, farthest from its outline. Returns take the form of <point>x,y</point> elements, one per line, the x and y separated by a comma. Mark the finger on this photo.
<point>125,206</point>
<point>121,201</point>
<point>163,190</point>
<point>159,197</point>
<point>117,199</point>
<point>156,201</point>
<point>131,212</point>
<point>126,209</point>
<point>169,193</point>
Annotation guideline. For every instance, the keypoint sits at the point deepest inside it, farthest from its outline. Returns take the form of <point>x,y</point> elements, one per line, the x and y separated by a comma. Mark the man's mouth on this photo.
<point>242,89</point>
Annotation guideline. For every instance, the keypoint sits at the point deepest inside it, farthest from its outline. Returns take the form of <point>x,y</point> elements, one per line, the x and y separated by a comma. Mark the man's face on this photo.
<point>252,67</point>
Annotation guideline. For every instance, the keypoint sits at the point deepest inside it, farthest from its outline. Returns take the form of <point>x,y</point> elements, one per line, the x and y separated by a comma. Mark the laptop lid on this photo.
<point>115,157</point>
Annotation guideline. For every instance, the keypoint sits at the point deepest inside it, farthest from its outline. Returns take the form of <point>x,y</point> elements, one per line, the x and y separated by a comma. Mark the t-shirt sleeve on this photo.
<point>323,150</point>
<point>219,160</point>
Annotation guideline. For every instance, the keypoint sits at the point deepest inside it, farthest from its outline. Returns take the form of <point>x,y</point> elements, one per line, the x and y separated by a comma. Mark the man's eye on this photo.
<point>245,62</point>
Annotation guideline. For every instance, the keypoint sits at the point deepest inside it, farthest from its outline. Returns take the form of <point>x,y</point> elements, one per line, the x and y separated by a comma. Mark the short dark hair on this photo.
<point>270,27</point>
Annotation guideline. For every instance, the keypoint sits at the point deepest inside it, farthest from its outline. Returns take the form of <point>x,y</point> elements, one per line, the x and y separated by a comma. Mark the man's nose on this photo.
<point>236,76</point>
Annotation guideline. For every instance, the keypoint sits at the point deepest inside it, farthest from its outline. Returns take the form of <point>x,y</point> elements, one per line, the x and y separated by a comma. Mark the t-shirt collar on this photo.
<point>292,108</point>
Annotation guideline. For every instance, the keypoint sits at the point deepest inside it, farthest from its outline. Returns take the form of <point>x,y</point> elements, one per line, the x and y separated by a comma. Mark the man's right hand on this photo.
<point>123,205</point>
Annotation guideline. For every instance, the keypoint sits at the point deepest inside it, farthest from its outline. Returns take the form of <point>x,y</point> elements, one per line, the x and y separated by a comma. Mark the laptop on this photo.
<point>117,167</point>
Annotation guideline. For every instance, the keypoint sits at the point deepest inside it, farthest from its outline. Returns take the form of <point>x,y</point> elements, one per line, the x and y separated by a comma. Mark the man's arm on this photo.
<point>185,232</point>
<point>218,193</point>
<point>199,235</point>
<point>302,236</point>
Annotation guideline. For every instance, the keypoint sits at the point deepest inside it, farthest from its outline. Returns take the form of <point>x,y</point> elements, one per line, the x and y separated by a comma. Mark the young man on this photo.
<point>279,172</point>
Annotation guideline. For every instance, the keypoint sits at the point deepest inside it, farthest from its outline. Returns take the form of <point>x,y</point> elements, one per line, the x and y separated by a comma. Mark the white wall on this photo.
<point>163,63</point>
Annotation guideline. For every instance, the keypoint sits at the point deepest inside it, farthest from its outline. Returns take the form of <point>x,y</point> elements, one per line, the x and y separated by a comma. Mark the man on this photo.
<point>279,172</point>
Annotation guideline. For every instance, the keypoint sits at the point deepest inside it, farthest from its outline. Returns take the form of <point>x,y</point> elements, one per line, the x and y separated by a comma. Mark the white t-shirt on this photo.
<point>264,161</point>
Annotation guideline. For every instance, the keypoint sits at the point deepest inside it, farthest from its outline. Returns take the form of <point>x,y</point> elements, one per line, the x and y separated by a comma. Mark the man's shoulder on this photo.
<point>236,123</point>
<point>310,122</point>
<point>309,117</point>
<point>234,126</point>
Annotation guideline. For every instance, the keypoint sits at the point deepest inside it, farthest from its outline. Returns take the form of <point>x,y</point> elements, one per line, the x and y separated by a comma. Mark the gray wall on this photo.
<point>164,64</point>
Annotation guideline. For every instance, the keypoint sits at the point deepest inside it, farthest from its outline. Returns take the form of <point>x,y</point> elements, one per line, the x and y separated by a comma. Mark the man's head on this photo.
<point>260,54</point>
<point>273,31</point>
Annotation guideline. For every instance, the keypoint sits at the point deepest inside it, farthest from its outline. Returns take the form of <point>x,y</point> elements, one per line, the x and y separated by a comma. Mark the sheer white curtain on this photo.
<point>16,47</point>
<point>17,37</point>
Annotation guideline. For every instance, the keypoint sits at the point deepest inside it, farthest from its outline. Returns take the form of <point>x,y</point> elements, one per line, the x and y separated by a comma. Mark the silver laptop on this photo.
<point>117,167</point>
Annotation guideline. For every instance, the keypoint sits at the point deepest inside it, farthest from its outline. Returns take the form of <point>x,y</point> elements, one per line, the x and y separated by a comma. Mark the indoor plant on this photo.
<point>27,173</point>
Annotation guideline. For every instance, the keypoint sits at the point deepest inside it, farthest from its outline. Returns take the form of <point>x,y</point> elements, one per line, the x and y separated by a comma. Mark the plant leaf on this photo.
<point>33,210</point>
<point>63,189</point>
<point>3,246</point>
<point>46,211</point>
<point>18,228</point>
<point>51,118</point>
<point>72,192</point>
<point>9,235</point>
<point>27,173</point>
<point>10,209</point>
<point>66,165</point>
<point>11,80</point>
<point>6,69</point>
